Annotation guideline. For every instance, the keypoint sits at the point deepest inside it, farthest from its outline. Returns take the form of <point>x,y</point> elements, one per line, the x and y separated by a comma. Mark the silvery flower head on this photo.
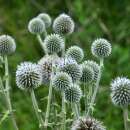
<point>54,43</point>
<point>7,45</point>
<point>28,76</point>
<point>87,123</point>
<point>61,81</point>
<point>94,66</point>
<point>120,91</point>
<point>63,24</point>
<point>76,53</point>
<point>73,94</point>
<point>36,26</point>
<point>101,48</point>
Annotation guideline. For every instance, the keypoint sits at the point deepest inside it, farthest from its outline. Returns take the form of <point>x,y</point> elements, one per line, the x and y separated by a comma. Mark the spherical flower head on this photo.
<point>73,94</point>
<point>36,26</point>
<point>87,123</point>
<point>7,45</point>
<point>101,48</point>
<point>61,81</point>
<point>120,91</point>
<point>63,25</point>
<point>94,66</point>
<point>54,43</point>
<point>45,18</point>
<point>74,70</point>
<point>87,74</point>
<point>76,53</point>
<point>46,65</point>
<point>28,76</point>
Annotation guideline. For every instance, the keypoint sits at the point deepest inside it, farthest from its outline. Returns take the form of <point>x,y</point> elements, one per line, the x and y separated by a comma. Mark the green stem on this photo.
<point>63,112</point>
<point>7,94</point>
<point>75,109</point>
<point>96,87</point>
<point>48,106</point>
<point>37,110</point>
<point>125,115</point>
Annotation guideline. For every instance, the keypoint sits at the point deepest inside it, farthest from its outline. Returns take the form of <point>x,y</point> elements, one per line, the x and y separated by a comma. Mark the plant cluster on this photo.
<point>66,74</point>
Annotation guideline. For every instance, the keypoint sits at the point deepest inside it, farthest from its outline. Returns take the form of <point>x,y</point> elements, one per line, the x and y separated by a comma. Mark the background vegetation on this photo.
<point>100,18</point>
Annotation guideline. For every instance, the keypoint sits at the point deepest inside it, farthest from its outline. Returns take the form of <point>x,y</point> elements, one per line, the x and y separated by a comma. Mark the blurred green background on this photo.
<point>100,18</point>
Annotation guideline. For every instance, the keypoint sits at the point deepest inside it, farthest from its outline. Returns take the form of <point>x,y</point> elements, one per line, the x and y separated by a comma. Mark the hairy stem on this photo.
<point>125,115</point>
<point>7,87</point>
<point>37,110</point>
<point>96,87</point>
<point>63,112</point>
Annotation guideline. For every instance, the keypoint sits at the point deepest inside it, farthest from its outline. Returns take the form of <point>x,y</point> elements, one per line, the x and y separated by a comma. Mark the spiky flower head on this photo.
<point>74,70</point>
<point>120,91</point>
<point>73,94</point>
<point>61,81</point>
<point>54,43</point>
<point>76,53</point>
<point>87,74</point>
<point>46,65</point>
<point>28,76</point>
<point>45,18</point>
<point>88,123</point>
<point>101,48</point>
<point>7,45</point>
<point>94,66</point>
<point>63,24</point>
<point>36,26</point>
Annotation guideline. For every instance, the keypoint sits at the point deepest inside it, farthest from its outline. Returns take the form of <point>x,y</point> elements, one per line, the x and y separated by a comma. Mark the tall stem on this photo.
<point>37,110</point>
<point>63,112</point>
<point>48,106</point>
<point>125,115</point>
<point>75,109</point>
<point>7,94</point>
<point>96,87</point>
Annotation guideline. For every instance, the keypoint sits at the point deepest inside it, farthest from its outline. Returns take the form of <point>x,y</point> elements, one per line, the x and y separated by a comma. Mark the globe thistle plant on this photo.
<point>87,123</point>
<point>94,66</point>
<point>45,18</point>
<point>76,53</point>
<point>54,43</point>
<point>63,25</point>
<point>73,94</point>
<point>74,70</point>
<point>28,76</point>
<point>87,74</point>
<point>101,48</point>
<point>61,81</point>
<point>120,91</point>
<point>36,26</point>
<point>7,45</point>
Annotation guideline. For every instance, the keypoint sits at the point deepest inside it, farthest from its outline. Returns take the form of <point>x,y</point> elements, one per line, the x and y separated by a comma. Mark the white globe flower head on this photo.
<point>7,45</point>
<point>63,25</point>
<point>76,53</point>
<point>101,48</point>
<point>36,26</point>
<point>120,91</point>
<point>28,76</point>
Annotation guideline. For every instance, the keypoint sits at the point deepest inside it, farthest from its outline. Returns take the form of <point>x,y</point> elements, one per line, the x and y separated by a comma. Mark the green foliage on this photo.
<point>94,19</point>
